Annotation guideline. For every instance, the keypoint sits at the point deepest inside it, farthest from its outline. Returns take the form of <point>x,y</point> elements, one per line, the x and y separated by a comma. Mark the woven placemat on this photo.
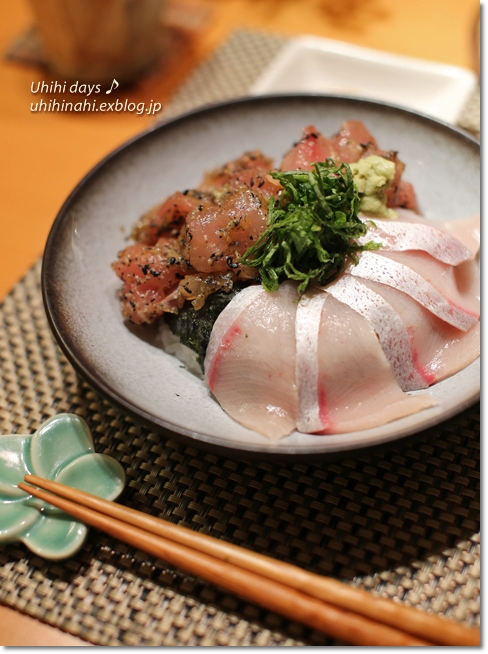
<point>403,524</point>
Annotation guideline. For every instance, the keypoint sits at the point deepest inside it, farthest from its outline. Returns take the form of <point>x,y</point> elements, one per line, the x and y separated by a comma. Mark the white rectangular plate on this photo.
<point>316,65</point>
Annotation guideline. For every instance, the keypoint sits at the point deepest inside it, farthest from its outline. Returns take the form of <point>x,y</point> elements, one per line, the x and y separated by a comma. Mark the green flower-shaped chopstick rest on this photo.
<point>61,449</point>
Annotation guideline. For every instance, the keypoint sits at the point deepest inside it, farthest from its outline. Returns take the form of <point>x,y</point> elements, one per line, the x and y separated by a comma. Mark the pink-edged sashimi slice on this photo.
<point>391,330</point>
<point>439,349</point>
<point>431,283</point>
<point>354,387</point>
<point>250,361</point>
<point>465,230</point>
<point>421,348</point>
<point>397,236</point>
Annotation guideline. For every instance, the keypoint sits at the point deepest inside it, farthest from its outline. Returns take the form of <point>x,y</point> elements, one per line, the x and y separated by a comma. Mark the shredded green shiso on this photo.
<point>311,229</point>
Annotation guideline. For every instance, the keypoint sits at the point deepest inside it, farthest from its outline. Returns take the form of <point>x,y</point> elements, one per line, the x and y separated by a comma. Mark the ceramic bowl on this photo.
<point>125,363</point>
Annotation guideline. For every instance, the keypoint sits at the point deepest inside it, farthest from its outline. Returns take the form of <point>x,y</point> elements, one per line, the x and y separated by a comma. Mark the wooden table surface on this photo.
<point>44,155</point>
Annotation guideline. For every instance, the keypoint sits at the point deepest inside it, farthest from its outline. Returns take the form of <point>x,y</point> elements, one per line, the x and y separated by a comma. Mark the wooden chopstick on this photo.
<point>401,617</point>
<point>267,593</point>
<point>362,616</point>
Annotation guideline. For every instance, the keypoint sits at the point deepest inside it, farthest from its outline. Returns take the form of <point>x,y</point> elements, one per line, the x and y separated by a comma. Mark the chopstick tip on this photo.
<point>24,487</point>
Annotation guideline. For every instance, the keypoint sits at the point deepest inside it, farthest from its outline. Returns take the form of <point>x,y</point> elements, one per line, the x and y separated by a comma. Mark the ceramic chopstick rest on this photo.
<point>62,449</point>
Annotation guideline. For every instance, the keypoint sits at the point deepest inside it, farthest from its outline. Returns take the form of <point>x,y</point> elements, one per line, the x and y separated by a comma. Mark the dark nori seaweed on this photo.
<point>194,327</point>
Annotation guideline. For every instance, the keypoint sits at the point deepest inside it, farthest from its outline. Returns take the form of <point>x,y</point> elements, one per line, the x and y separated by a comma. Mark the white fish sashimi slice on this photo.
<point>458,284</point>
<point>401,236</point>
<point>307,327</point>
<point>356,388</point>
<point>386,270</point>
<point>465,230</point>
<point>388,325</point>
<point>439,350</point>
<point>468,231</point>
<point>250,361</point>
<point>228,316</point>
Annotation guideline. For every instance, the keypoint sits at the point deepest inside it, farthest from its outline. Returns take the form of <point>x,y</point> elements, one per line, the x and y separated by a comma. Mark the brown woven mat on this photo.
<point>403,524</point>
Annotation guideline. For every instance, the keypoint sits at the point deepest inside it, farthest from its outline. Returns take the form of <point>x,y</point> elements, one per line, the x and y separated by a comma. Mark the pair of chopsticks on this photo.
<point>332,607</point>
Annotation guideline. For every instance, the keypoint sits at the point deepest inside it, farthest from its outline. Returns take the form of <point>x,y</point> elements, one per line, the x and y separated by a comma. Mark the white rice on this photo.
<point>171,344</point>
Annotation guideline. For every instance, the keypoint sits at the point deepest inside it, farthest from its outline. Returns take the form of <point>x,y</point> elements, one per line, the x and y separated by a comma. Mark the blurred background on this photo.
<point>152,48</point>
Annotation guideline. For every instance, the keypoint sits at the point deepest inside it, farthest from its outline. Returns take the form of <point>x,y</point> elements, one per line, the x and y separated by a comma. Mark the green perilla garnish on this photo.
<point>311,228</point>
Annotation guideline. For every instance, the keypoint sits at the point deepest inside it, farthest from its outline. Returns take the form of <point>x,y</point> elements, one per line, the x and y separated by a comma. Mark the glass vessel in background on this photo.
<point>99,40</point>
